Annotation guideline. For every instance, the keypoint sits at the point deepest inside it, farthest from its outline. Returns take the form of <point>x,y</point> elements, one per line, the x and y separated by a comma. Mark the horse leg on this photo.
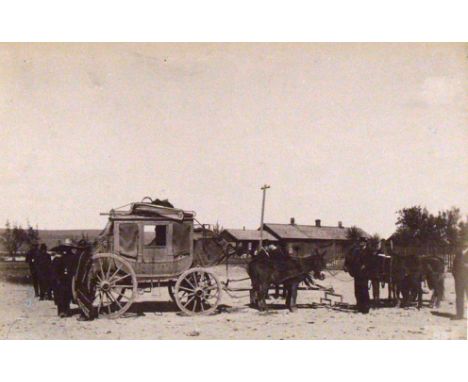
<point>375,291</point>
<point>292,301</point>
<point>420,299</point>
<point>432,303</point>
<point>397,295</point>
<point>253,297</point>
<point>261,296</point>
<point>287,288</point>
<point>277,291</point>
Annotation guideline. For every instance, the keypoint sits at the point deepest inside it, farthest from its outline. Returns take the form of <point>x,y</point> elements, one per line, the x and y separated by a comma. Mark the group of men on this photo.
<point>355,265</point>
<point>51,277</point>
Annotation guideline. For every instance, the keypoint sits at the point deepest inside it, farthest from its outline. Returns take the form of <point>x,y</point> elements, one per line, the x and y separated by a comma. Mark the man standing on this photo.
<point>460,274</point>
<point>61,276</point>
<point>31,258</point>
<point>44,272</point>
<point>356,266</point>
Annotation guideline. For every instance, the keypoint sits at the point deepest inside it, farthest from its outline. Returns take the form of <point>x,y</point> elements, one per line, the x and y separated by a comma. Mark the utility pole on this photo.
<point>264,188</point>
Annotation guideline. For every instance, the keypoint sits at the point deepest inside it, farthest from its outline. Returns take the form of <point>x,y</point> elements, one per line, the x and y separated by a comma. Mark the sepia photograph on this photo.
<point>233,191</point>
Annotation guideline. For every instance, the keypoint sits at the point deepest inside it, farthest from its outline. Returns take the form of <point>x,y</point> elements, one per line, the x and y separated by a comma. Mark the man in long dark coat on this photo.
<point>460,274</point>
<point>357,268</point>
<point>31,258</point>
<point>62,283</point>
<point>43,263</point>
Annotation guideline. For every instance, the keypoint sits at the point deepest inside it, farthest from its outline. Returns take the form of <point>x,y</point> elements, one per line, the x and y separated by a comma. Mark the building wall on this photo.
<point>306,248</point>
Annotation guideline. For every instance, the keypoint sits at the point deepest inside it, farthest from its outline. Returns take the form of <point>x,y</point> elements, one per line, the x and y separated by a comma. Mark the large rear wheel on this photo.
<point>115,284</point>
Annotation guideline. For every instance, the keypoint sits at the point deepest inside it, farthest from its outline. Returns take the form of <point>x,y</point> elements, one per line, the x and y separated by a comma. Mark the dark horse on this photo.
<point>433,269</point>
<point>407,276</point>
<point>274,268</point>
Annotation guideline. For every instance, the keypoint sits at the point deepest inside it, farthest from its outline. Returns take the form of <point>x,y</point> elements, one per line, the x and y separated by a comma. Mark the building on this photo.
<point>246,241</point>
<point>303,240</point>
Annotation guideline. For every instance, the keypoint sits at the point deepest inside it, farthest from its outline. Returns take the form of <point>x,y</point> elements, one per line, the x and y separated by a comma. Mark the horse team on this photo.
<point>403,274</point>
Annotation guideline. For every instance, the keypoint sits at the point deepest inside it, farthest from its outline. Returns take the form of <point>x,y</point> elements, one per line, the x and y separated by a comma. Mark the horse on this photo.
<point>274,268</point>
<point>407,276</point>
<point>433,269</point>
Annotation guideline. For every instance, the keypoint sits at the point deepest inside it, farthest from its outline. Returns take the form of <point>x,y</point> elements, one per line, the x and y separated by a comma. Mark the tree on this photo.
<point>354,234</point>
<point>418,228</point>
<point>217,228</point>
<point>13,239</point>
<point>32,235</point>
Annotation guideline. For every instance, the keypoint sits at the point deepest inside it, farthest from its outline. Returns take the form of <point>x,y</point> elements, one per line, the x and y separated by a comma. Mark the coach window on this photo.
<point>155,235</point>
<point>128,239</point>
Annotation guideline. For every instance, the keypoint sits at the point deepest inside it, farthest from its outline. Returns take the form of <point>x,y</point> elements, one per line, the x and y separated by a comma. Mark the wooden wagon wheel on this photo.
<point>115,285</point>
<point>197,291</point>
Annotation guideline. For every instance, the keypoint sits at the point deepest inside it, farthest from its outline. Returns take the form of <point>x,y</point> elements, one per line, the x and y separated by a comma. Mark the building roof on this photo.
<point>305,232</point>
<point>249,235</point>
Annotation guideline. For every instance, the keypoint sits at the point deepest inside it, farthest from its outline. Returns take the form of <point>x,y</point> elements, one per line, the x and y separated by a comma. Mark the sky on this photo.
<point>341,132</point>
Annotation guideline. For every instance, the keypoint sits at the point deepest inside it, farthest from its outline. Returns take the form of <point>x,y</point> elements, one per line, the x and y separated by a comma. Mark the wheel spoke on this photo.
<point>109,264</point>
<point>120,278</point>
<point>101,268</point>
<point>189,301</point>
<point>187,289</point>
<point>207,303</point>
<point>195,305</point>
<point>212,287</point>
<point>114,299</point>
<point>124,296</point>
<point>188,281</point>
<point>183,294</point>
<point>195,279</point>
<point>115,273</point>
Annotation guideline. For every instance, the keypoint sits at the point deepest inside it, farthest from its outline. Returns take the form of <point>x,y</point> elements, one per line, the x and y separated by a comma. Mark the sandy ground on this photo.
<point>153,316</point>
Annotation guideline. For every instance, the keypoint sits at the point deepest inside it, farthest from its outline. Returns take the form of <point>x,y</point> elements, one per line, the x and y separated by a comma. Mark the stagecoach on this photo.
<point>145,246</point>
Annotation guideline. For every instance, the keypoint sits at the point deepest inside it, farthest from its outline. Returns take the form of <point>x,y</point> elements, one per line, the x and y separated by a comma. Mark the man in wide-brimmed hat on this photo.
<point>355,265</point>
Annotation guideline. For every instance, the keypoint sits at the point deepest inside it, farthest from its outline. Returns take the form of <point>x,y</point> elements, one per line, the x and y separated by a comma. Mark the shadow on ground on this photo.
<point>450,316</point>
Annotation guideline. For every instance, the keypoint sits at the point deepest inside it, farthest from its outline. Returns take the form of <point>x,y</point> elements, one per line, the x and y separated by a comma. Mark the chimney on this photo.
<point>292,221</point>
<point>317,223</point>
<point>340,224</point>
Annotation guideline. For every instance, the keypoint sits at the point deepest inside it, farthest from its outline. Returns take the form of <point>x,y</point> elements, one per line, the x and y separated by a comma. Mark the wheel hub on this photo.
<point>105,286</point>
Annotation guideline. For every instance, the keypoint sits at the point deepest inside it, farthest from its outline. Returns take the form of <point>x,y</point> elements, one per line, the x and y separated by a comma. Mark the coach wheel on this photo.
<point>115,284</point>
<point>197,292</point>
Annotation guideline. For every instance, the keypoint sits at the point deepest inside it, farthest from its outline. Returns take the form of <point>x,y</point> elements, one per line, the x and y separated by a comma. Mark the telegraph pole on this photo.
<point>264,188</point>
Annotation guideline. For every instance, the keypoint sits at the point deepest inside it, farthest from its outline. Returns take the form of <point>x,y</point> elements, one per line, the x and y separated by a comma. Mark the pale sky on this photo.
<point>340,132</point>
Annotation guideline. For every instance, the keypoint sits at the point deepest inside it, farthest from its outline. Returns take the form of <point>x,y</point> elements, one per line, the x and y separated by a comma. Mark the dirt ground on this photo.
<point>153,316</point>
